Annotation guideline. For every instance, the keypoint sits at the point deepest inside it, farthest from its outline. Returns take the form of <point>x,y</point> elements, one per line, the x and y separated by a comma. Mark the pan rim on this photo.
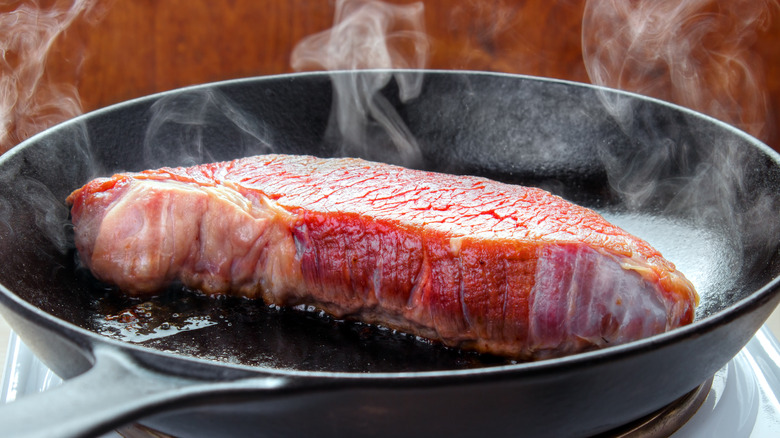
<point>709,323</point>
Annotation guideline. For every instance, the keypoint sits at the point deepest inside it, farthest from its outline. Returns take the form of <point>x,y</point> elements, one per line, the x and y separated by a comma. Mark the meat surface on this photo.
<point>467,261</point>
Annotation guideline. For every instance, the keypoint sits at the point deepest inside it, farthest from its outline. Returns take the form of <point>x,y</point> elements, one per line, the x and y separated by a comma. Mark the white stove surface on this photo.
<point>744,400</point>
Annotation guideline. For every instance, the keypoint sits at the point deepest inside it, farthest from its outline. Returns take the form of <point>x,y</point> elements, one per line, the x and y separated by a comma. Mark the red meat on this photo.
<point>466,261</point>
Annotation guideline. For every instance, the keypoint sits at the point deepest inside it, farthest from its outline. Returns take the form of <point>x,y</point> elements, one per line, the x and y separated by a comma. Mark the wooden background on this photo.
<point>119,50</point>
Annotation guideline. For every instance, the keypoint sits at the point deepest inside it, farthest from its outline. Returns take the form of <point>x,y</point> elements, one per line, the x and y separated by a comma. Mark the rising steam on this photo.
<point>179,123</point>
<point>29,103</point>
<point>370,35</point>
<point>696,53</point>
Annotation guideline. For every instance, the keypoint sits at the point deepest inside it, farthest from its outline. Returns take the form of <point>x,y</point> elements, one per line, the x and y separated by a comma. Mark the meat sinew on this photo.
<point>467,261</point>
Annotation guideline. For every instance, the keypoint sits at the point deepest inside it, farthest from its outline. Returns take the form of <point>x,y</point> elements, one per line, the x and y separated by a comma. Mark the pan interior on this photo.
<point>554,135</point>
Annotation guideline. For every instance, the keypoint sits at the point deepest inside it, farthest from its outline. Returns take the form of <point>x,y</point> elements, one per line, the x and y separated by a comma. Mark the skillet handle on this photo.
<point>114,392</point>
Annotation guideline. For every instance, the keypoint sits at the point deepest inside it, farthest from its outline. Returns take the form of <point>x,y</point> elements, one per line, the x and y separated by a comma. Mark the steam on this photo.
<point>26,197</point>
<point>370,35</point>
<point>696,53</point>
<point>29,102</point>
<point>179,123</point>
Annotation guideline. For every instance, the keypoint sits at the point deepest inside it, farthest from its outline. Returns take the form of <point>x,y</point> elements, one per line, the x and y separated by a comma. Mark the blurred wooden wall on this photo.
<point>133,48</point>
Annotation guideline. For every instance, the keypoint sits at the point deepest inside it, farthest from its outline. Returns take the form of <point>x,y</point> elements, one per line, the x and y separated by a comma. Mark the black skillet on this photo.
<point>703,193</point>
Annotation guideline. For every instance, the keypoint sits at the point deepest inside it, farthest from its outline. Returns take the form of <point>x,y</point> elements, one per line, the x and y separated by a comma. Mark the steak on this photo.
<point>466,261</point>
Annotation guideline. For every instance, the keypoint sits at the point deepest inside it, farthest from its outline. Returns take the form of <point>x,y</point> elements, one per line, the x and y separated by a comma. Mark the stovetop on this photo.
<point>743,401</point>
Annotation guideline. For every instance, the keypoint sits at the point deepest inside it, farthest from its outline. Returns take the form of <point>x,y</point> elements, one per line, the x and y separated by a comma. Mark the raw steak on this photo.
<point>466,261</point>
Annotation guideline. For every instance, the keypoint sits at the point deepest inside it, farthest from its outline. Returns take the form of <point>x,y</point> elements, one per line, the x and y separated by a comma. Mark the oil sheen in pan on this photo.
<point>248,332</point>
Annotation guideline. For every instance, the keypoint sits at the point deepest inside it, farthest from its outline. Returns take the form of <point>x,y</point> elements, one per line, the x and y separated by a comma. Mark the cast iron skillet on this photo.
<point>702,192</point>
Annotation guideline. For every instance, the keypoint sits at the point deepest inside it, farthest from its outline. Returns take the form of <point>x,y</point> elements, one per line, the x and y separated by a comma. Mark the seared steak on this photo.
<point>466,261</point>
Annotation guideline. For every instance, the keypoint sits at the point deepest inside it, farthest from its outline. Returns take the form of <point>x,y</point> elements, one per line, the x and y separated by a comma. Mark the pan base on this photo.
<point>661,423</point>
<point>667,420</point>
